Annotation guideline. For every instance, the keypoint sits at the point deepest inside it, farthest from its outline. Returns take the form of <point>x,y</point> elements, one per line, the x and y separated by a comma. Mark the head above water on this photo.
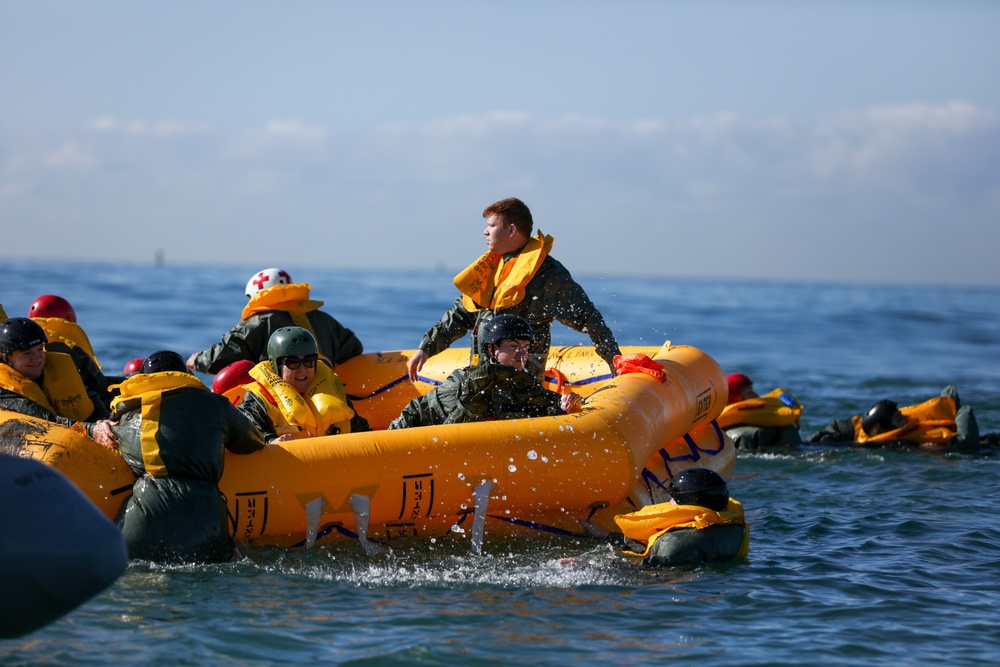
<point>881,417</point>
<point>50,305</point>
<point>290,342</point>
<point>20,333</point>
<point>262,280</point>
<point>163,361</point>
<point>738,384</point>
<point>701,487</point>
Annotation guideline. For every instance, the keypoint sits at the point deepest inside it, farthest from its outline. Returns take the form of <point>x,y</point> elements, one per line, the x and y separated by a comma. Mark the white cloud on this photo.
<point>807,187</point>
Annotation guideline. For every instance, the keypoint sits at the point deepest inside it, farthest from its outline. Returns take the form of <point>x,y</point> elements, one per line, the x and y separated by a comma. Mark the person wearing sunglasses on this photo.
<point>295,395</point>
<point>499,387</point>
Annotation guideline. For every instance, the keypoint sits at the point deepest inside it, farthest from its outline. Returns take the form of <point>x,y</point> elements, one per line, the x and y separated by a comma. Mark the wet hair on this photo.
<point>513,211</point>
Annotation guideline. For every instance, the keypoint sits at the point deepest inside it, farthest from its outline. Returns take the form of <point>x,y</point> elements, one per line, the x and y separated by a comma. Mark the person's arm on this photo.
<point>253,412</point>
<point>455,323</point>
<point>246,340</point>
<point>358,423</point>
<point>838,430</point>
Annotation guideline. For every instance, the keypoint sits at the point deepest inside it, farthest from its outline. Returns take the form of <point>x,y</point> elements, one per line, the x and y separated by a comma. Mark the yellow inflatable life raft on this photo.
<point>565,475</point>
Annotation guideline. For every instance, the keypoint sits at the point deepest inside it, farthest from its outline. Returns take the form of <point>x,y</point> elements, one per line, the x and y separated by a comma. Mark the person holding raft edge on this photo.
<point>497,388</point>
<point>294,395</point>
<point>47,385</point>
<point>516,276</point>
<point>276,302</point>
<point>173,433</point>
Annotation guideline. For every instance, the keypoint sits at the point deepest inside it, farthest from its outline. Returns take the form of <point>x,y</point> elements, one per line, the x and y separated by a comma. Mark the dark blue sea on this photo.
<point>857,557</point>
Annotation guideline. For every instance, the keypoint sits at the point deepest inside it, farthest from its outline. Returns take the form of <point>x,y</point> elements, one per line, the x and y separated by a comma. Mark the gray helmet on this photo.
<point>163,360</point>
<point>20,333</point>
<point>503,327</point>
<point>288,342</point>
<point>701,487</point>
<point>878,418</point>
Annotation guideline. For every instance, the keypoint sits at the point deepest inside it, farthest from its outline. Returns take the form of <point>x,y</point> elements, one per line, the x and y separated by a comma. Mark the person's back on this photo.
<point>754,422</point>
<point>700,524</point>
<point>275,302</point>
<point>176,512</point>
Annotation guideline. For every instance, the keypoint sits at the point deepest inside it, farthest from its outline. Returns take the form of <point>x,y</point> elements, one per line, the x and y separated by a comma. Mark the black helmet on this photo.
<point>164,360</point>
<point>289,342</point>
<point>700,486</point>
<point>503,327</point>
<point>20,333</point>
<point>878,418</point>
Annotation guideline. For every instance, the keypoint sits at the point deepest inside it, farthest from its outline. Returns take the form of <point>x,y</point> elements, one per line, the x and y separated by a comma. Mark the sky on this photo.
<point>843,141</point>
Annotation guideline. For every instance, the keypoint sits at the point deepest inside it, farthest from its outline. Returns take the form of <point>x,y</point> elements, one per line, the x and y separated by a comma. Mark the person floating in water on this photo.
<point>700,524</point>
<point>940,422</point>
<point>755,422</point>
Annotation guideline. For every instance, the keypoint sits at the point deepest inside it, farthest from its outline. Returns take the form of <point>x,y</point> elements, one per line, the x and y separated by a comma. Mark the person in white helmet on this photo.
<point>276,302</point>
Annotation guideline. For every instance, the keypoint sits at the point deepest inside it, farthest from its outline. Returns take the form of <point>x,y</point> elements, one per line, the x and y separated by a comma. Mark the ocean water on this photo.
<point>857,557</point>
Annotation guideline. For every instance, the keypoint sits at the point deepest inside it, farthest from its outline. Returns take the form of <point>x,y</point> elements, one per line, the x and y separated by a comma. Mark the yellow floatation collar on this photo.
<point>493,284</point>
<point>62,391</point>
<point>776,408</point>
<point>149,388</point>
<point>293,299</point>
<point>321,406</point>
<point>70,333</point>
<point>647,524</point>
<point>3,314</point>
<point>932,422</point>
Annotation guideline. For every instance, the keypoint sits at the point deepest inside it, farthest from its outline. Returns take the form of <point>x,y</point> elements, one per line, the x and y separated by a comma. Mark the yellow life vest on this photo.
<point>647,524</point>
<point>62,391</point>
<point>322,405</point>
<point>293,299</point>
<point>930,422</point>
<point>493,284</point>
<point>777,408</point>
<point>69,333</point>
<point>149,388</point>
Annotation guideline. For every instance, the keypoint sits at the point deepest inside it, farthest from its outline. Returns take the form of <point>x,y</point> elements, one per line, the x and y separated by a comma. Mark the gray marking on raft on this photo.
<point>314,511</point>
<point>481,497</point>
<point>361,506</point>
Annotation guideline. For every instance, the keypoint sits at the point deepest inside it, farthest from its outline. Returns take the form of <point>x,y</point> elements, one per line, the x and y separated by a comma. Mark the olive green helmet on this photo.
<point>290,342</point>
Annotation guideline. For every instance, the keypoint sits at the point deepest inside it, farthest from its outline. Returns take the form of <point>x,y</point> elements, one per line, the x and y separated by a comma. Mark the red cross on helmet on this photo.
<point>267,278</point>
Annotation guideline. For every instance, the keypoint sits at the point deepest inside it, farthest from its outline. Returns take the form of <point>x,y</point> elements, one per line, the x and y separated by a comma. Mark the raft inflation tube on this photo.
<point>565,475</point>
<point>57,550</point>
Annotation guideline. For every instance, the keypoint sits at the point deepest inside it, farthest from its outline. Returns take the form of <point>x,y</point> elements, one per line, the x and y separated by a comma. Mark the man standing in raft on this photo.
<point>517,276</point>
<point>173,432</point>
<point>276,302</point>
<point>499,388</point>
<point>294,395</point>
<point>47,385</point>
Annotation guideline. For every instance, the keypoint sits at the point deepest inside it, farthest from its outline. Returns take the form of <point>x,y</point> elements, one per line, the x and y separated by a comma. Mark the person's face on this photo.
<point>898,420</point>
<point>30,362</point>
<point>748,392</point>
<point>301,377</point>
<point>512,352</point>
<point>500,237</point>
